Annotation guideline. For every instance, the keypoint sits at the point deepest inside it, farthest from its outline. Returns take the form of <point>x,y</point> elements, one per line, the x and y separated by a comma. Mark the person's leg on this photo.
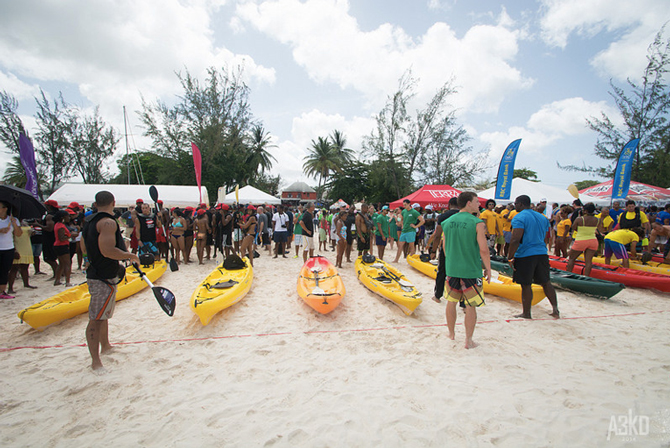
<point>23,270</point>
<point>412,249</point>
<point>550,292</point>
<point>451,319</point>
<point>588,261</point>
<point>93,342</point>
<point>105,346</point>
<point>572,256</point>
<point>174,249</point>
<point>526,300</point>
<point>59,272</point>
<point>67,268</point>
<point>199,250</point>
<point>10,279</point>
<point>470,322</point>
<point>441,277</point>
<point>187,246</point>
<point>401,245</point>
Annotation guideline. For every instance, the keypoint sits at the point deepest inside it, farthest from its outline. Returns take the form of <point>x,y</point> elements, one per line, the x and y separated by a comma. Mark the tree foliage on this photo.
<point>429,147</point>
<point>585,184</point>
<point>644,106</point>
<point>10,123</point>
<point>216,116</point>
<point>525,173</point>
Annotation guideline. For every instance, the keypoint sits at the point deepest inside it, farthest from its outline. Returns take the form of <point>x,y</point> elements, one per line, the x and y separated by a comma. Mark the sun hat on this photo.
<point>416,205</point>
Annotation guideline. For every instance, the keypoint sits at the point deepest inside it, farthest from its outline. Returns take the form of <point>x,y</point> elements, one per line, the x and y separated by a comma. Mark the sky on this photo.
<point>534,70</point>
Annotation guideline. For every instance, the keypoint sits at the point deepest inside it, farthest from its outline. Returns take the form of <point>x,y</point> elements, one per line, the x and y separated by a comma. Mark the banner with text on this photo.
<point>624,166</point>
<point>506,171</point>
<point>27,156</point>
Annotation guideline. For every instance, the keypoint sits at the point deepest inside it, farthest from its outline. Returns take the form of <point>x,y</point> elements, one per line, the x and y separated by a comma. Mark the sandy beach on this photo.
<point>270,371</point>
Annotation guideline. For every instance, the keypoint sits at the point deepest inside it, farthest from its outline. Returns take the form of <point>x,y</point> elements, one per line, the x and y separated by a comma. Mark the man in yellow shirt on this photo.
<point>490,219</point>
<point>615,244</point>
<point>634,217</point>
<point>507,216</point>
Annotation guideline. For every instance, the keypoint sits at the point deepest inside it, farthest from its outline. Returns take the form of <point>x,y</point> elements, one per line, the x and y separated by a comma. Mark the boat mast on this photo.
<point>125,126</point>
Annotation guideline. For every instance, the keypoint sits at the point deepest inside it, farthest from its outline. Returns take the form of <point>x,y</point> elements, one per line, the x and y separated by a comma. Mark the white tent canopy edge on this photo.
<point>248,195</point>
<point>126,195</point>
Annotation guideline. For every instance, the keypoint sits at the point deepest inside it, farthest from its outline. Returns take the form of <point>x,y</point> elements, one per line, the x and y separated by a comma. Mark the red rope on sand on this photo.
<point>348,330</point>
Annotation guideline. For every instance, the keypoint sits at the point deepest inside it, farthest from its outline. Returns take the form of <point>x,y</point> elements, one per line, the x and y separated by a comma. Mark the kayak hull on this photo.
<point>320,285</point>
<point>211,297</point>
<point>629,277</point>
<point>74,301</point>
<point>504,287</point>
<point>601,289</point>
<point>375,277</point>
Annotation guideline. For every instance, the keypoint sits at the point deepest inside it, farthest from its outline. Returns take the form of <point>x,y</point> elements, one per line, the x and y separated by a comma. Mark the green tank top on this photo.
<point>462,257</point>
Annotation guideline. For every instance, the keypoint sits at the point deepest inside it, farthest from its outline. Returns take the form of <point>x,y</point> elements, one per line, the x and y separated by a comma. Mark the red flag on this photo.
<point>197,163</point>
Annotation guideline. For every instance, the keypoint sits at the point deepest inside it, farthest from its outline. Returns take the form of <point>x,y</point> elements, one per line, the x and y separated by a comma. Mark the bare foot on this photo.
<point>522,316</point>
<point>68,285</point>
<point>555,314</point>
<point>96,365</point>
<point>107,350</point>
<point>470,344</point>
<point>57,283</point>
<point>452,336</point>
<point>30,287</point>
<point>436,299</point>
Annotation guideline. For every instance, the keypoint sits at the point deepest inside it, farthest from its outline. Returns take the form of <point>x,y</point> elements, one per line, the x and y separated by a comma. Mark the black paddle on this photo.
<point>153,192</point>
<point>404,284</point>
<point>164,296</point>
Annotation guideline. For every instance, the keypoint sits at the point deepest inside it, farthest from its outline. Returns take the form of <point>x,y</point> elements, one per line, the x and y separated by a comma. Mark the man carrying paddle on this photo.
<point>105,247</point>
<point>465,250</point>
<point>528,255</point>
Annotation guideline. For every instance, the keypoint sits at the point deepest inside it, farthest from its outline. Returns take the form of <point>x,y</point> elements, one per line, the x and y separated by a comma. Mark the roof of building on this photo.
<point>301,187</point>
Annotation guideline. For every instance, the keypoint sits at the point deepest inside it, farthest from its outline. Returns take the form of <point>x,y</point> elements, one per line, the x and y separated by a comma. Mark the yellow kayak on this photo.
<point>74,301</point>
<point>221,289</point>
<point>389,283</point>
<point>652,266</point>
<point>502,287</point>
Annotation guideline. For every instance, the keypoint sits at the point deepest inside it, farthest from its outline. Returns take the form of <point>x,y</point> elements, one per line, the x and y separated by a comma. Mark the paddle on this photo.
<point>153,192</point>
<point>164,296</point>
<point>404,284</point>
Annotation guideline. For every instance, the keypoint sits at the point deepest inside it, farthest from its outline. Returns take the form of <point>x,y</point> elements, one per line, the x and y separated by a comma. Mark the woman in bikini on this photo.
<point>202,231</point>
<point>177,228</point>
<point>584,231</point>
<point>340,237</point>
<point>249,230</point>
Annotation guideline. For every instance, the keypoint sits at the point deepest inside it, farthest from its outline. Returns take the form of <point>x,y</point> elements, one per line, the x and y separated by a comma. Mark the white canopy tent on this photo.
<point>538,191</point>
<point>248,195</point>
<point>126,195</point>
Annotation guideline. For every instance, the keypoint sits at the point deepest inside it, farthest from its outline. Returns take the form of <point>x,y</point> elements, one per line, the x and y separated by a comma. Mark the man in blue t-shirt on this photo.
<point>528,255</point>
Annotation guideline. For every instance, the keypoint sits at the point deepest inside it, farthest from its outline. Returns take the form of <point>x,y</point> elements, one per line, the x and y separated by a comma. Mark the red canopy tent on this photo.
<point>436,195</point>
<point>638,192</point>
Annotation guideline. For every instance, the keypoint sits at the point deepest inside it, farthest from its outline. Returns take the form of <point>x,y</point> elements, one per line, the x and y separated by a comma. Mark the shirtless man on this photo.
<point>363,230</point>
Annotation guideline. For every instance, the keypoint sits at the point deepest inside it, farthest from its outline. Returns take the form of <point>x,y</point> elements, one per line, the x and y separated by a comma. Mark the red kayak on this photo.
<point>629,277</point>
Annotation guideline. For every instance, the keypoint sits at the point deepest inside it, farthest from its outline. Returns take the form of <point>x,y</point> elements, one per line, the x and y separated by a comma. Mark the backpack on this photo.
<point>233,263</point>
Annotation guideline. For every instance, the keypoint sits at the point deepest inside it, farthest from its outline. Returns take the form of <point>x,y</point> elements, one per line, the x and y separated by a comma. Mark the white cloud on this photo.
<point>550,125</point>
<point>328,42</point>
<point>639,21</point>
<point>19,89</point>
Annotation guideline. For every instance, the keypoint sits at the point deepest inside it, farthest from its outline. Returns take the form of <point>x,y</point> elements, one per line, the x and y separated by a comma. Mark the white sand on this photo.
<point>272,372</point>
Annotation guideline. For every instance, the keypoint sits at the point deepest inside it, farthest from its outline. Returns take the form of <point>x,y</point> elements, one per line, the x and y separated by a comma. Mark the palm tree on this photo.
<point>339,141</point>
<point>259,157</point>
<point>15,174</point>
<point>321,160</point>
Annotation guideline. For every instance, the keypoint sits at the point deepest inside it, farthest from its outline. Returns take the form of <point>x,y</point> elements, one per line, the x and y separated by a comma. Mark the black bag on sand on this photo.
<point>233,263</point>
<point>369,259</point>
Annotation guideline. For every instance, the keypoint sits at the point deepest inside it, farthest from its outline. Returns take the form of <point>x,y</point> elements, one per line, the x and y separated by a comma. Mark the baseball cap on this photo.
<point>201,212</point>
<point>386,207</point>
<point>70,211</point>
<point>159,202</point>
<point>74,205</point>
<point>139,201</point>
<point>429,207</point>
<point>543,200</point>
<point>416,205</point>
<point>225,207</point>
<point>52,203</point>
<point>251,207</point>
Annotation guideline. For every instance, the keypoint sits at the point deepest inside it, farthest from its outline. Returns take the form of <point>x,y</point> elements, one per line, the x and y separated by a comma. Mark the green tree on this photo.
<point>322,159</point>
<point>216,116</point>
<point>259,160</point>
<point>525,173</point>
<point>92,143</point>
<point>585,184</point>
<point>352,184</point>
<point>15,174</point>
<point>54,140</point>
<point>10,123</point>
<point>269,184</point>
<point>380,184</point>
<point>644,107</point>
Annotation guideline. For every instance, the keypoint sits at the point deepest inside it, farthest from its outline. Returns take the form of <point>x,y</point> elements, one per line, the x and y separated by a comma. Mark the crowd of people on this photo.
<point>462,238</point>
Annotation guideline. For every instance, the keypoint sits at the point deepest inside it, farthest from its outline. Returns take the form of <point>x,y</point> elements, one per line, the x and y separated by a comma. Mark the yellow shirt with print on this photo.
<point>623,236</point>
<point>489,217</point>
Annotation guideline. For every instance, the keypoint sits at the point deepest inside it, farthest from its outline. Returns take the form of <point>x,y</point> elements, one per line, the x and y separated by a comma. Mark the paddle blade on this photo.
<point>165,299</point>
<point>153,192</point>
<point>572,189</point>
<point>173,265</point>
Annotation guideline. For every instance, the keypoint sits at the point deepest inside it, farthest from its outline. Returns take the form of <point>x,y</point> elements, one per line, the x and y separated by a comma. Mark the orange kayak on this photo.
<point>319,285</point>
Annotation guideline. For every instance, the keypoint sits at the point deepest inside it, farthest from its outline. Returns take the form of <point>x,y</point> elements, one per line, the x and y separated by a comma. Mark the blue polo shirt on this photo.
<point>662,216</point>
<point>535,226</point>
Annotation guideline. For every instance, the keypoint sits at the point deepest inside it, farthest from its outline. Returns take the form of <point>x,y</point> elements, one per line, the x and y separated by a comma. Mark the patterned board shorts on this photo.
<point>465,290</point>
<point>103,299</point>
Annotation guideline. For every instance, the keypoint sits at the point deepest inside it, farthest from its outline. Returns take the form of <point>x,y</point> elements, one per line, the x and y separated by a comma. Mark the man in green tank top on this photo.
<point>465,250</point>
